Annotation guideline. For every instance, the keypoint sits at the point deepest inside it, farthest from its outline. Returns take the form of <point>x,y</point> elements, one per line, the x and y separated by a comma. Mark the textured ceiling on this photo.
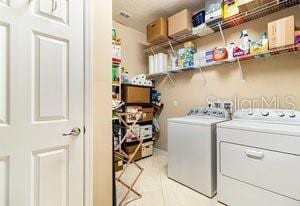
<point>145,11</point>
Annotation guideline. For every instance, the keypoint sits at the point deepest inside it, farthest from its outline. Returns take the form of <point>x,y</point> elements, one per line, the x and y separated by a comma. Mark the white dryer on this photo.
<point>259,158</point>
<point>192,149</point>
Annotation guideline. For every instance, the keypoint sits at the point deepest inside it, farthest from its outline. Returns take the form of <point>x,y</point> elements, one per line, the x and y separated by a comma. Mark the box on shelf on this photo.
<point>199,59</point>
<point>186,56</point>
<point>147,114</point>
<point>137,113</point>
<point>118,163</point>
<point>133,136</point>
<point>146,131</point>
<point>247,5</point>
<point>180,23</point>
<point>230,8</point>
<point>281,32</point>
<point>220,53</point>
<point>297,39</point>
<point>260,46</point>
<point>243,48</point>
<point>136,94</point>
<point>209,57</point>
<point>130,151</point>
<point>157,31</point>
<point>116,53</point>
<point>213,11</point>
<point>147,149</point>
<point>198,18</point>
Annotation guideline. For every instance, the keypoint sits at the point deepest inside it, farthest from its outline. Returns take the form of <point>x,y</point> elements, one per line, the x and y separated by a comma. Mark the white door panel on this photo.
<point>51,99</point>
<point>56,10</point>
<point>4,169</point>
<point>41,99</point>
<point>4,87</point>
<point>4,2</point>
<point>51,177</point>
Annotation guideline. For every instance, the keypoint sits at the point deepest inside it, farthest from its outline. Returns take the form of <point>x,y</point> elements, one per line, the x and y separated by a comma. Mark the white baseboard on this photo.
<point>161,152</point>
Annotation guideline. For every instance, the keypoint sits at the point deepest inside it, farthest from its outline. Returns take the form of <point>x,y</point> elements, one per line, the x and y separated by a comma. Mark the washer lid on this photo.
<point>268,127</point>
<point>197,120</point>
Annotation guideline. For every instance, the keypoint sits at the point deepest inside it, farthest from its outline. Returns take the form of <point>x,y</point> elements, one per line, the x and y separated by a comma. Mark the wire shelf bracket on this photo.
<point>221,32</point>
<point>203,77</point>
<point>171,46</point>
<point>241,69</point>
<point>171,79</point>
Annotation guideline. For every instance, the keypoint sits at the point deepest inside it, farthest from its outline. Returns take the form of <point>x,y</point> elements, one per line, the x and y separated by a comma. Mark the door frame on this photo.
<point>88,104</point>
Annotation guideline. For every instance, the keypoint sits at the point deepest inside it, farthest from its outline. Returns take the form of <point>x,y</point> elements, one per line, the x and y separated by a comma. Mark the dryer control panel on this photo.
<point>269,115</point>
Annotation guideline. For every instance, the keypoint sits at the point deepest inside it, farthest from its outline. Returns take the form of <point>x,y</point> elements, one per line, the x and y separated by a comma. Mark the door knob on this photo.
<point>74,132</point>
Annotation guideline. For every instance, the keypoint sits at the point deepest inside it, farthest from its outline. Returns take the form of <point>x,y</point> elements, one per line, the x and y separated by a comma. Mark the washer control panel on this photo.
<point>209,112</point>
<point>271,115</point>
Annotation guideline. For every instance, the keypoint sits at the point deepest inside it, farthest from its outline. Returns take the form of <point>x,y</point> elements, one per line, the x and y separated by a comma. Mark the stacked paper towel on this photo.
<point>158,63</point>
<point>141,80</point>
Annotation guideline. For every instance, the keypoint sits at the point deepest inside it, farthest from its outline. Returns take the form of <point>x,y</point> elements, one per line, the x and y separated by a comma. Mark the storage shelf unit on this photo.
<point>274,52</point>
<point>239,19</point>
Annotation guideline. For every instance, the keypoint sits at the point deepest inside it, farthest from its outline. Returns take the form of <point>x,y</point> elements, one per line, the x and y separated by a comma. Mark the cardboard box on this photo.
<point>297,37</point>
<point>180,23</point>
<point>136,94</point>
<point>281,32</point>
<point>260,46</point>
<point>157,31</point>
<point>148,114</point>
<point>247,5</point>
<point>297,40</point>
<point>147,149</point>
<point>130,151</point>
<point>213,11</point>
<point>118,164</point>
<point>137,113</point>
<point>230,8</point>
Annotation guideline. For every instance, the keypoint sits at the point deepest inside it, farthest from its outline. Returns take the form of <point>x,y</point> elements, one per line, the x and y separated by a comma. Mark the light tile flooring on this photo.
<point>158,190</point>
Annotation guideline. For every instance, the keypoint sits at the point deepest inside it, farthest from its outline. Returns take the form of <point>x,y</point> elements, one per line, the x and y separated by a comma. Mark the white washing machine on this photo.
<point>259,158</point>
<point>192,149</point>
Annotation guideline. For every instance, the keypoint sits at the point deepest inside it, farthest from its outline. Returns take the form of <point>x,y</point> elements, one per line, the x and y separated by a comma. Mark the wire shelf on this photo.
<point>273,52</point>
<point>255,13</point>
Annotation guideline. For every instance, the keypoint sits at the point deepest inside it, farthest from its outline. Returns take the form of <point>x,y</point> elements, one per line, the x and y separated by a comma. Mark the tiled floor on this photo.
<point>158,190</point>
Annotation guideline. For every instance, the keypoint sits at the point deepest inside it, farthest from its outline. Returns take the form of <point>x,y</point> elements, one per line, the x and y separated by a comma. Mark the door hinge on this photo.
<point>84,129</point>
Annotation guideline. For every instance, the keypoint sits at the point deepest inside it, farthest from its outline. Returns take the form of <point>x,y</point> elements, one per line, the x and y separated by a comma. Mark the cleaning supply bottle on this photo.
<point>125,76</point>
<point>245,46</point>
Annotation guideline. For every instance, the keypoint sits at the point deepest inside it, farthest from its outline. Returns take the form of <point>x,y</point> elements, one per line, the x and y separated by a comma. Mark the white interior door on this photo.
<point>41,97</point>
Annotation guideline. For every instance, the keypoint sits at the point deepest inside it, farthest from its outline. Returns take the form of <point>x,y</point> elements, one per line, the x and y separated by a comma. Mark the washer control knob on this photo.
<point>265,114</point>
<point>250,113</point>
<point>220,112</point>
<point>281,114</point>
<point>205,111</point>
<point>292,115</point>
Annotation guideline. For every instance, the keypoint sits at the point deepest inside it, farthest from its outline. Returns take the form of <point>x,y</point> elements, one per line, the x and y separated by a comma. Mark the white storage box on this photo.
<point>147,149</point>
<point>146,131</point>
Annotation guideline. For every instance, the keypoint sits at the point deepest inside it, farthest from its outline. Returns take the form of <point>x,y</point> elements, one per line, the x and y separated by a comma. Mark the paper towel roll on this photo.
<point>151,64</point>
<point>155,70</point>
<point>134,81</point>
<point>160,62</point>
<point>149,83</point>
<point>165,63</point>
<point>142,76</point>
